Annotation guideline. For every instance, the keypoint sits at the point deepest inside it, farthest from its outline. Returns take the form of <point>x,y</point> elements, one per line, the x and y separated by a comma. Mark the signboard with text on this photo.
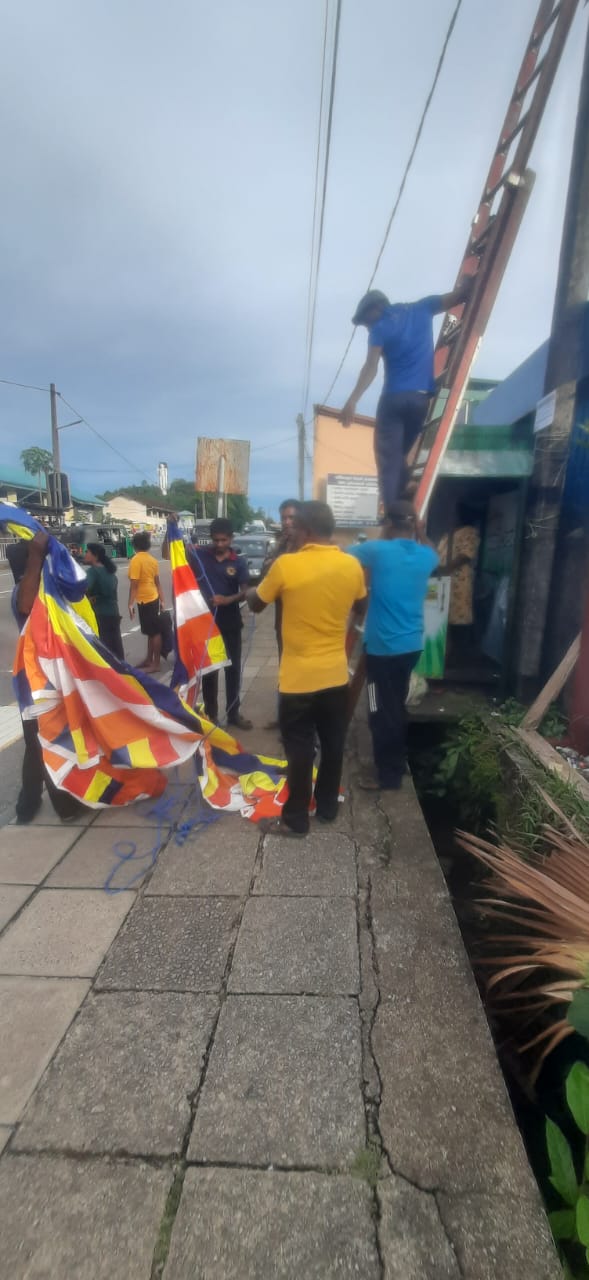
<point>353,500</point>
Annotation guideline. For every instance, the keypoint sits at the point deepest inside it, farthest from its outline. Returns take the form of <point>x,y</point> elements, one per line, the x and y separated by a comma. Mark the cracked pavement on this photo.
<point>267,1058</point>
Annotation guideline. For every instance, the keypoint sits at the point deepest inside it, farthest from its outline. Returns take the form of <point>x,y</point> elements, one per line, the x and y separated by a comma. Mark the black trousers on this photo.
<point>301,716</point>
<point>210,684</point>
<point>109,630</point>
<point>399,421</point>
<point>34,776</point>
<point>387,685</point>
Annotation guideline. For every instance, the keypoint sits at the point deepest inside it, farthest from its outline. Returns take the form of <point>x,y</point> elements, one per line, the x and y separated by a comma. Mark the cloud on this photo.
<point>158,166</point>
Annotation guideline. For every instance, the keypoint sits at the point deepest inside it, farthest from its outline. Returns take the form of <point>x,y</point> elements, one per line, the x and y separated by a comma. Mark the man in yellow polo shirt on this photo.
<point>319,586</point>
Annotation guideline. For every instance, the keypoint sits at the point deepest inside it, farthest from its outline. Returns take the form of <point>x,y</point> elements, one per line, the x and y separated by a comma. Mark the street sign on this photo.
<point>353,500</point>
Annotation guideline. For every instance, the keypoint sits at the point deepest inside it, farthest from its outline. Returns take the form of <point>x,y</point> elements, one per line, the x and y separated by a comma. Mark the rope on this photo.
<point>164,810</point>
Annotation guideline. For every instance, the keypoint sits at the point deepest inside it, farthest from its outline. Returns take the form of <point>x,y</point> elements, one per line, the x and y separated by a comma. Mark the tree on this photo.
<point>181,496</point>
<point>37,462</point>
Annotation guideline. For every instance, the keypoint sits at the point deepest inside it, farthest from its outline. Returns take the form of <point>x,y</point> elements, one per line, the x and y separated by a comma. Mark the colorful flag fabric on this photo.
<point>199,643</point>
<point>109,733</point>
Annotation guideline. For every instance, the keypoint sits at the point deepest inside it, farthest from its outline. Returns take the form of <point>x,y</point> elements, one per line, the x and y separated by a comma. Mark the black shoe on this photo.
<point>240,722</point>
<point>26,813</point>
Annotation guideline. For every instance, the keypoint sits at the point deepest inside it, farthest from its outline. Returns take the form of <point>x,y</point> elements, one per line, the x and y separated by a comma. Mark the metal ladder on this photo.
<point>492,236</point>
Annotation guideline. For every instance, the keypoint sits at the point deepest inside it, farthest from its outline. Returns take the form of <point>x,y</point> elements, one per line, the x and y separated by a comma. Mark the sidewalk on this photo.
<point>266,1059</point>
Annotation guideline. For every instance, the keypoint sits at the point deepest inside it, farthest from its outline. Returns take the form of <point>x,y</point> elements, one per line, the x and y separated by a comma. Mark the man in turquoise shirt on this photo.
<point>398,567</point>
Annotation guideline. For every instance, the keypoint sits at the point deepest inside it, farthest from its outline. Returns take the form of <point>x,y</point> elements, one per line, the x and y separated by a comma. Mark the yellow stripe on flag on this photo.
<point>141,755</point>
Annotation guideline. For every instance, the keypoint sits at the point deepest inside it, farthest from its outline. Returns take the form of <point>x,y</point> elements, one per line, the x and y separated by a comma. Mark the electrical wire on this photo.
<point>316,193</point>
<point>132,465</point>
<point>273,444</point>
<point>27,386</point>
<point>313,310</point>
<point>404,178</point>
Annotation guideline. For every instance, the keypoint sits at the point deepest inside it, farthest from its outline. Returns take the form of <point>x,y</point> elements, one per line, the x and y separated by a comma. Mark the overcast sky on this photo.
<point>158,169</point>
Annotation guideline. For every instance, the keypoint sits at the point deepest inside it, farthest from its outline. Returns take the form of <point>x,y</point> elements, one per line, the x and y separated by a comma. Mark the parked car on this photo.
<point>255,549</point>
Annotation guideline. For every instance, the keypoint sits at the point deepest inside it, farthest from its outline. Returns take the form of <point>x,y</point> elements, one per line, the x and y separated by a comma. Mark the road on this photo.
<point>11,755</point>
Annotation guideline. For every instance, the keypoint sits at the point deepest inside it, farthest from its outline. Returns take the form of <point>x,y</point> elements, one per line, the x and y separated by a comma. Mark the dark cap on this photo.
<point>374,298</point>
<point>400,512</point>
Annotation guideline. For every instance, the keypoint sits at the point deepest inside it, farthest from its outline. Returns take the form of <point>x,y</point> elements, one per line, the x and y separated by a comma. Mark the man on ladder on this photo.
<point>402,333</point>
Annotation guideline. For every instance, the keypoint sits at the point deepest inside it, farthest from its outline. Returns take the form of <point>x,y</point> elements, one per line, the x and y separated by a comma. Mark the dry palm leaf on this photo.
<point>544,903</point>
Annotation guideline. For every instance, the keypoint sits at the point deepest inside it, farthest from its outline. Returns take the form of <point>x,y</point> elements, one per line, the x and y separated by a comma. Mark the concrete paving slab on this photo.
<point>303,945</point>
<point>5,1133</point>
<point>243,1225</point>
<point>63,933</point>
<point>120,1081</point>
<point>416,934</point>
<point>93,860</point>
<point>413,1241</point>
<point>73,1220</point>
<point>34,1015</point>
<point>28,853</point>
<point>283,1084</point>
<point>323,865</point>
<point>218,860</point>
<point>173,944</point>
<point>12,898</point>
<point>445,1113</point>
<point>500,1236</point>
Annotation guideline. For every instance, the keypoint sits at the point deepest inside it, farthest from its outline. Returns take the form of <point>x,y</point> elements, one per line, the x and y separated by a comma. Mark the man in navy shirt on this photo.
<point>397,568</point>
<point>223,577</point>
<point>402,333</point>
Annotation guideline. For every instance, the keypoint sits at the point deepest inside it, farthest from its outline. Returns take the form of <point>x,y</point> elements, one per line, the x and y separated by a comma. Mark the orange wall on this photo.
<point>344,451</point>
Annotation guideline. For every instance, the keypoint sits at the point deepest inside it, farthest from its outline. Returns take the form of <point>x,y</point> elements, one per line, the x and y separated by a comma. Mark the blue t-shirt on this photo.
<point>405,333</point>
<point>399,572</point>
<point>220,578</point>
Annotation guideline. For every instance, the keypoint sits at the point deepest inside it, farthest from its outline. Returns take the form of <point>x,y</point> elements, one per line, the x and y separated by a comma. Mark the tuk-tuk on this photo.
<point>115,538</point>
<point>77,536</point>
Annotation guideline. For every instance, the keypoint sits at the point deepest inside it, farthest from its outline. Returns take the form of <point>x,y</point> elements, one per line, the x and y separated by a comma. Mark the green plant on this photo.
<point>470,770</point>
<point>552,725</point>
<point>570,1225</point>
<point>366,1165</point>
<point>471,775</point>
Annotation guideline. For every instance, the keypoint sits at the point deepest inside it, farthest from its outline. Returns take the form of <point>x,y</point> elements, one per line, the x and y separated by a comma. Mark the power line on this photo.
<point>140,471</point>
<point>316,193</point>
<point>311,336</point>
<point>273,444</point>
<point>403,182</point>
<point>27,386</point>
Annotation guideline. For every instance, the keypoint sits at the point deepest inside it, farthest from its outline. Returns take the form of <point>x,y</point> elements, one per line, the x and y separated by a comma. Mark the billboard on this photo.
<point>225,459</point>
<point>353,500</point>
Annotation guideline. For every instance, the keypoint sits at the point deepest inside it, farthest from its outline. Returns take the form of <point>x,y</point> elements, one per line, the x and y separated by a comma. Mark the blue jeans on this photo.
<point>400,418</point>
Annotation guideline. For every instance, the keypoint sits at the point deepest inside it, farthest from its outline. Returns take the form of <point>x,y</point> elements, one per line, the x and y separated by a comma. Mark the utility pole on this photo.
<point>55,446</point>
<point>551,603</point>
<point>302,442</point>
